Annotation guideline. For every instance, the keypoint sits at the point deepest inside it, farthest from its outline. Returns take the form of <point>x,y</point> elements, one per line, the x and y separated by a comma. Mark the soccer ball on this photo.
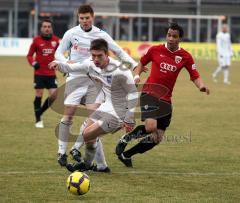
<point>78,183</point>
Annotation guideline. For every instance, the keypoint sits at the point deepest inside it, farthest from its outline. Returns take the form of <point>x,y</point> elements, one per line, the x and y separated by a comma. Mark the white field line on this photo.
<point>129,172</point>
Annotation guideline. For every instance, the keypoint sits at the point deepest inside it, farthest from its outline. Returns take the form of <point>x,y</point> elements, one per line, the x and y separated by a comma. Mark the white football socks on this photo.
<point>99,156</point>
<point>90,151</point>
<point>226,75</point>
<point>217,71</point>
<point>80,141</point>
<point>63,135</point>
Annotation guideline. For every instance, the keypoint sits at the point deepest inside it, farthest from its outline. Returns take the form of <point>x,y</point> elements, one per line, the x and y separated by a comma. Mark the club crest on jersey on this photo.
<point>194,67</point>
<point>109,79</point>
<point>54,43</point>
<point>178,59</point>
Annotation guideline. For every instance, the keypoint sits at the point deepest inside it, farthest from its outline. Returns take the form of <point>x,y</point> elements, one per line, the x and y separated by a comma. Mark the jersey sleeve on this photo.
<point>65,45</point>
<point>191,68</point>
<point>118,51</point>
<point>128,84</point>
<point>65,67</point>
<point>32,50</point>
<point>146,58</point>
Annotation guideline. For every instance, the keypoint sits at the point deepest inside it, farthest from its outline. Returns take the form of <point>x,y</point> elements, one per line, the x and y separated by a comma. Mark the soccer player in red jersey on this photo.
<point>40,54</point>
<point>155,101</point>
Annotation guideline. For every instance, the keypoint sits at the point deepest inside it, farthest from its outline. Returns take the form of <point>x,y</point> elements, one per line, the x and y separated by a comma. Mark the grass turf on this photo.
<point>197,162</point>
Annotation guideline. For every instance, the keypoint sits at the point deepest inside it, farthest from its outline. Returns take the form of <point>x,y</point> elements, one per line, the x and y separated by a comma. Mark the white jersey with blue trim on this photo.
<point>116,81</point>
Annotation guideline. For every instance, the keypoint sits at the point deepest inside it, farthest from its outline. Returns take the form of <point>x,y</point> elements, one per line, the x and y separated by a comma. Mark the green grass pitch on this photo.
<point>199,161</point>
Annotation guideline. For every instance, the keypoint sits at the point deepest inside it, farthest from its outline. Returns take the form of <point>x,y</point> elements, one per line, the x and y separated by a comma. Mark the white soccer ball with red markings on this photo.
<point>78,183</point>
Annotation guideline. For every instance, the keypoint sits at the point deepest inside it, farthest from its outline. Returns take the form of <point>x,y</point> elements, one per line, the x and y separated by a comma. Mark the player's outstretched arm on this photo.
<point>65,67</point>
<point>201,86</point>
<point>119,52</point>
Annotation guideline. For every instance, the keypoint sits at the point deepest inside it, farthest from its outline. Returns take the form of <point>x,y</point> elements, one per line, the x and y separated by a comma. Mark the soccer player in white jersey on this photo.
<point>120,92</point>
<point>224,54</point>
<point>77,41</point>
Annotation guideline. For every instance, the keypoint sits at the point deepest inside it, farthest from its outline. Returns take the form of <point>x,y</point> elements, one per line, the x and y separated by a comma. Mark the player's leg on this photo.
<point>100,123</point>
<point>144,145</point>
<point>99,155</point>
<point>216,72</point>
<point>90,128</point>
<point>39,87</point>
<point>96,96</point>
<point>52,95</point>
<point>218,69</point>
<point>153,111</point>
<point>138,132</point>
<point>37,107</point>
<point>91,107</point>
<point>226,75</point>
<point>156,123</point>
<point>63,133</point>
<point>92,131</point>
<point>75,151</point>
<point>101,164</point>
<point>73,95</point>
<point>226,71</point>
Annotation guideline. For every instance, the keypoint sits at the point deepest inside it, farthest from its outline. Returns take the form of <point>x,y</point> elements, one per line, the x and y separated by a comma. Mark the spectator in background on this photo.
<point>40,54</point>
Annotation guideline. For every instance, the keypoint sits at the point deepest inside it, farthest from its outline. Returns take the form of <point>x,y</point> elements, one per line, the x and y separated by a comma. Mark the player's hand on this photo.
<point>145,69</point>
<point>205,89</point>
<point>35,65</point>
<point>53,65</point>
<point>136,79</point>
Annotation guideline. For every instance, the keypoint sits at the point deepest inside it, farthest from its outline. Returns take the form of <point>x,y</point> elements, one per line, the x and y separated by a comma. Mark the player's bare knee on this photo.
<point>151,126</point>
<point>39,92</point>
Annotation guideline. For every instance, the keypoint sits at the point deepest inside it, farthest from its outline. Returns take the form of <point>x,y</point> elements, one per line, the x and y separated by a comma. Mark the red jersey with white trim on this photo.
<point>165,68</point>
<point>42,51</point>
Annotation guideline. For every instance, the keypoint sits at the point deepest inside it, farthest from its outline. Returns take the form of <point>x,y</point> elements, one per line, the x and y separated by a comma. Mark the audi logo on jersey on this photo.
<point>165,66</point>
<point>48,51</point>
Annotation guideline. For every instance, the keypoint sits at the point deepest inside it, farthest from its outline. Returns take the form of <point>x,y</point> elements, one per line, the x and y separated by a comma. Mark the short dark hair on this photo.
<point>99,44</point>
<point>46,20</point>
<point>175,26</point>
<point>85,8</point>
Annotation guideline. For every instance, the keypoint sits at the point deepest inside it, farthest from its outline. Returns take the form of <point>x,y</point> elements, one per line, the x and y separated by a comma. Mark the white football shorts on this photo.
<point>107,118</point>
